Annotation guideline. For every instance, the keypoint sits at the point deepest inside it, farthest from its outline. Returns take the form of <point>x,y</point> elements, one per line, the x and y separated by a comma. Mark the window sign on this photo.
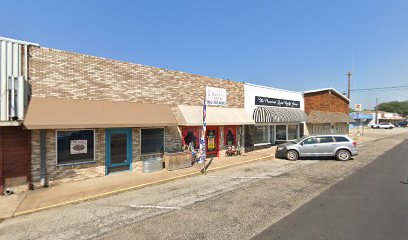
<point>216,96</point>
<point>79,146</point>
<point>276,102</point>
<point>75,147</point>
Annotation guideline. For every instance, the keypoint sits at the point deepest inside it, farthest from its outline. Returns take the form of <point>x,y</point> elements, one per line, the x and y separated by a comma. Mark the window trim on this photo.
<point>77,163</point>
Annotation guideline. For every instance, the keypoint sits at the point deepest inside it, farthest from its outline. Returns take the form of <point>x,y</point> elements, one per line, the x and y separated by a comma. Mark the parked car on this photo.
<point>403,124</point>
<point>383,125</point>
<point>340,146</point>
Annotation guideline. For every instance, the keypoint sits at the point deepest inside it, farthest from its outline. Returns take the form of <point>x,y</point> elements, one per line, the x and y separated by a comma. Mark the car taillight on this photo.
<point>355,144</point>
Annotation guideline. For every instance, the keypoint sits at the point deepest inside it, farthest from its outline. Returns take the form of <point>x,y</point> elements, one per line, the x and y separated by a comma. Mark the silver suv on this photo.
<point>340,146</point>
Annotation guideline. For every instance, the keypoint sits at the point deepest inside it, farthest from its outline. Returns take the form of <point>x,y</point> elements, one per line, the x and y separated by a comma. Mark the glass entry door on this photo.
<point>118,150</point>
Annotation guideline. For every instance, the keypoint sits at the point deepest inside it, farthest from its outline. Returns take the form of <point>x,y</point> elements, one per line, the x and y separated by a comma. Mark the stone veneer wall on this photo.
<point>67,173</point>
<point>57,174</point>
<point>62,74</point>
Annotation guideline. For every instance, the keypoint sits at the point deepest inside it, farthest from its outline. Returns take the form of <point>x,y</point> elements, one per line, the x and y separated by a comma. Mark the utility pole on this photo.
<point>349,74</point>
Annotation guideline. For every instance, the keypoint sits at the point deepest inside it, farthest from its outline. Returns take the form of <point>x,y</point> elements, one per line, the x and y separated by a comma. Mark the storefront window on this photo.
<point>281,132</point>
<point>191,136</point>
<point>75,147</point>
<point>230,135</point>
<point>292,132</point>
<point>261,134</point>
<point>152,141</point>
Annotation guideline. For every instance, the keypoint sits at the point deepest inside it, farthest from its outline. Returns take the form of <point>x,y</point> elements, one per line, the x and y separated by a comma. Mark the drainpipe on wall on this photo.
<point>43,159</point>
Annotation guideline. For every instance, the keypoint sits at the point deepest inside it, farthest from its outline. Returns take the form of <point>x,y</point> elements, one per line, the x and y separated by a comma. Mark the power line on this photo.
<point>403,87</point>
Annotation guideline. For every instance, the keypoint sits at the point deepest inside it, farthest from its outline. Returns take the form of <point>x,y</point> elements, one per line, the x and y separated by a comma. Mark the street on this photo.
<point>246,201</point>
<point>370,204</point>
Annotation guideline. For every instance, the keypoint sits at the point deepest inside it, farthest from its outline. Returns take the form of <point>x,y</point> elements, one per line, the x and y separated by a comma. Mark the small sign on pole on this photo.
<point>358,107</point>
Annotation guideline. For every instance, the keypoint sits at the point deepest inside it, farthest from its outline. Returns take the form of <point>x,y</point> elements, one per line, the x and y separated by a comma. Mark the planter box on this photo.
<point>173,161</point>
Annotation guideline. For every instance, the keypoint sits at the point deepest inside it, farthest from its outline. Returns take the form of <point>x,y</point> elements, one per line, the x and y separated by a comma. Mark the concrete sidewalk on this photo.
<point>74,192</point>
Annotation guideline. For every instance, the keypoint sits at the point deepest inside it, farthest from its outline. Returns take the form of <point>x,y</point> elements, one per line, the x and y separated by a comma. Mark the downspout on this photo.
<point>1,163</point>
<point>43,159</point>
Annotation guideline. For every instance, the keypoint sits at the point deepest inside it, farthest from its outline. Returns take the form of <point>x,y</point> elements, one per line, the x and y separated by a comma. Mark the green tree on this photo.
<point>394,107</point>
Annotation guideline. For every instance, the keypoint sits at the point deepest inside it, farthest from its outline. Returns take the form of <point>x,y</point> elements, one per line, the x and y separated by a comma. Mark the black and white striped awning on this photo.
<point>278,115</point>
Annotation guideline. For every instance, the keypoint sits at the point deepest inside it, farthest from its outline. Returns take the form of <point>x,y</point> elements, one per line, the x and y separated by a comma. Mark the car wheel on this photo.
<point>343,155</point>
<point>292,155</point>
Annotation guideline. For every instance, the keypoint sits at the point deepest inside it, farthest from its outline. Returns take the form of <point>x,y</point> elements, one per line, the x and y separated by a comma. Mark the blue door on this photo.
<point>118,150</point>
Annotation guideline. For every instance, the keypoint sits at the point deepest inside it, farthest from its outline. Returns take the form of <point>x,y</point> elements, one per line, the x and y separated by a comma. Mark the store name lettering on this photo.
<point>265,101</point>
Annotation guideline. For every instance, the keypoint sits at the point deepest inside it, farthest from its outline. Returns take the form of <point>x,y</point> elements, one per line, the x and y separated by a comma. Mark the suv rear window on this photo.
<point>326,139</point>
<point>341,139</point>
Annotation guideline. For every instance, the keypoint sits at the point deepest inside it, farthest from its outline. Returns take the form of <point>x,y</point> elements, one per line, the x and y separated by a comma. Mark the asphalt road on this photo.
<point>370,204</point>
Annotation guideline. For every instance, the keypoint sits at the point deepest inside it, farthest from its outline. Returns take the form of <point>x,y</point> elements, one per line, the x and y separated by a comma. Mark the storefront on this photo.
<point>278,116</point>
<point>328,112</point>
<point>78,139</point>
<point>224,127</point>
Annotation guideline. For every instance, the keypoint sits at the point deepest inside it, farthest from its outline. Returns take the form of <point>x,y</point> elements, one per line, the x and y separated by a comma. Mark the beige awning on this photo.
<point>193,116</point>
<point>55,113</point>
<point>328,117</point>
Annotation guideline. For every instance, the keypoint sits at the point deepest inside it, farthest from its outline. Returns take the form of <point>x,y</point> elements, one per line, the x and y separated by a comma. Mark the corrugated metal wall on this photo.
<point>13,78</point>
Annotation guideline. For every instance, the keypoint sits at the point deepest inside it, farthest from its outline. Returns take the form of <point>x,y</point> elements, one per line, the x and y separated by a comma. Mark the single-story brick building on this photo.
<point>89,116</point>
<point>327,110</point>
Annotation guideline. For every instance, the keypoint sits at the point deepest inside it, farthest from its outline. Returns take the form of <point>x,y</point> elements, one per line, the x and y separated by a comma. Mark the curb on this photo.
<point>97,196</point>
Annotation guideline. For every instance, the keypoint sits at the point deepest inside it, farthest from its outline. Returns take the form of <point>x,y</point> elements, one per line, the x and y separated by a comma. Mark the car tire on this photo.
<point>343,155</point>
<point>292,155</point>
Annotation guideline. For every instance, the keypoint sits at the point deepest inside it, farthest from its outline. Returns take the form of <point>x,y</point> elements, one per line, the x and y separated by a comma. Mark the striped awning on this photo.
<point>278,115</point>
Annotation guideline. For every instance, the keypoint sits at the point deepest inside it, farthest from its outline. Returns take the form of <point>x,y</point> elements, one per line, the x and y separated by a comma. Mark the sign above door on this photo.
<point>276,102</point>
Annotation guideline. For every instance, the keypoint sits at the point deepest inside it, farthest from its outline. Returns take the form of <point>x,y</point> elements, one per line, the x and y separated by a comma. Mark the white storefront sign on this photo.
<point>216,96</point>
<point>78,146</point>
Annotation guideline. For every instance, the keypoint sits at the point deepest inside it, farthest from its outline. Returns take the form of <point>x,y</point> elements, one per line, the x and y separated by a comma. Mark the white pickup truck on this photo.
<point>383,125</point>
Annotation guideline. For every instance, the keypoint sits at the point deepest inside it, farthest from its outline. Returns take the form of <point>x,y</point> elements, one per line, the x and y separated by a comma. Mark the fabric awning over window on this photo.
<point>329,117</point>
<point>55,113</point>
<point>193,116</point>
<point>278,115</point>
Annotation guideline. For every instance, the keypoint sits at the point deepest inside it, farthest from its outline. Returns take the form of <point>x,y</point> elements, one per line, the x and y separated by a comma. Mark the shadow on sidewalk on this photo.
<point>204,170</point>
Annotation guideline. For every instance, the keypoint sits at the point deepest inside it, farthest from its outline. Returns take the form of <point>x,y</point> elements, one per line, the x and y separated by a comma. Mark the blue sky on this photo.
<point>295,45</point>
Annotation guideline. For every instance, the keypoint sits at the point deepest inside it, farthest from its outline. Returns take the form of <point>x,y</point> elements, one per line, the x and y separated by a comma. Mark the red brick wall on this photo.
<point>326,101</point>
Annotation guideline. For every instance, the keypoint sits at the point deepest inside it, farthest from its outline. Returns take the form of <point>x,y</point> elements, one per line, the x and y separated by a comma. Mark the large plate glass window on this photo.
<point>281,132</point>
<point>152,141</point>
<point>261,134</point>
<point>75,147</point>
<point>292,132</point>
